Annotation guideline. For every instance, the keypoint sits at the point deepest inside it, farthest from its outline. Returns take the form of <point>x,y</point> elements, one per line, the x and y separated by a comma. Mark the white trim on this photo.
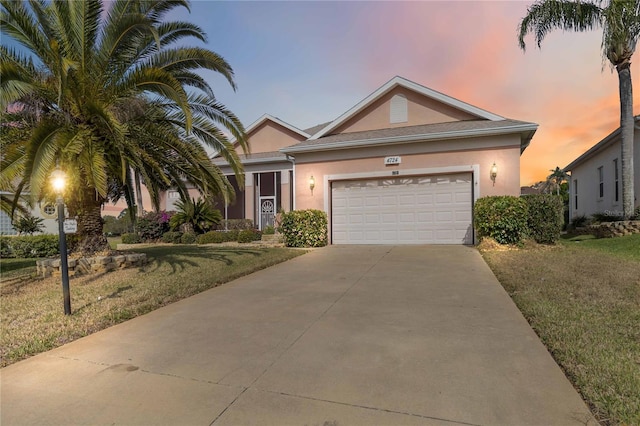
<point>269,117</point>
<point>407,84</point>
<point>474,169</point>
<point>454,134</point>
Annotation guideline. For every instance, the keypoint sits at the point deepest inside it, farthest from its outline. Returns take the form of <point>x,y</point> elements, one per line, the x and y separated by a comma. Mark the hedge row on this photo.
<point>243,236</point>
<point>509,219</point>
<point>29,246</point>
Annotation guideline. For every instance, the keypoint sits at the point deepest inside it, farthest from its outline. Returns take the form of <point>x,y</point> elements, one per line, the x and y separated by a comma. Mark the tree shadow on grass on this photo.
<point>110,296</point>
<point>180,257</point>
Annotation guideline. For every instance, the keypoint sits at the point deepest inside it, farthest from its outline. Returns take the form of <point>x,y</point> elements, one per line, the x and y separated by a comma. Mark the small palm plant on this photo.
<point>196,215</point>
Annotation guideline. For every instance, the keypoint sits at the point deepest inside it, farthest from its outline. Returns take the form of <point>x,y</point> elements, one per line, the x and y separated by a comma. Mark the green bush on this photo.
<point>29,246</point>
<point>229,236</point>
<point>545,217</point>
<point>304,228</point>
<point>210,237</point>
<point>249,235</point>
<point>131,239</point>
<point>503,218</point>
<point>172,237</point>
<point>188,238</point>
<point>153,225</point>
<point>269,230</point>
<point>235,224</point>
<point>636,214</point>
<point>579,222</point>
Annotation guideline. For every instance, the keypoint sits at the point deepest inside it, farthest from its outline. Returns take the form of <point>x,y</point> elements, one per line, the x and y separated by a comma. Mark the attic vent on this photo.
<point>398,110</point>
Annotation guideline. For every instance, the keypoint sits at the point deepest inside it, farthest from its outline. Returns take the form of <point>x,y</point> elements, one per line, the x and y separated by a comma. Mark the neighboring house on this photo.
<point>595,185</point>
<point>403,166</point>
<point>45,211</point>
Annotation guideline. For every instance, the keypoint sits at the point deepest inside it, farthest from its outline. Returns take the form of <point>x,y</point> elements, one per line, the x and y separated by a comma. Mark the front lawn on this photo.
<point>583,300</point>
<point>32,317</point>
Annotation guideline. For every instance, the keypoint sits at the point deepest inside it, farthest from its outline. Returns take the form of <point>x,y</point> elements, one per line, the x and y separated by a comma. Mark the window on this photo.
<point>616,183</point>
<point>173,195</point>
<point>600,182</point>
<point>398,111</point>
<point>575,193</point>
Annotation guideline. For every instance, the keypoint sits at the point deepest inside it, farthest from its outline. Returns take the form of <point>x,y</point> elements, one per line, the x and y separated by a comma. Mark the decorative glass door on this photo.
<point>267,211</point>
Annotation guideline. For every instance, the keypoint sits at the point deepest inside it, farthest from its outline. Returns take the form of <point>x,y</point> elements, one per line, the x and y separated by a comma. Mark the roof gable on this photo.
<point>428,107</point>
<point>268,134</point>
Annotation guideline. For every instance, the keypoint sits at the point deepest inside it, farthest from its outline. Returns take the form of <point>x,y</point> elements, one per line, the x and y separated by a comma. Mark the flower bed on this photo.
<point>90,265</point>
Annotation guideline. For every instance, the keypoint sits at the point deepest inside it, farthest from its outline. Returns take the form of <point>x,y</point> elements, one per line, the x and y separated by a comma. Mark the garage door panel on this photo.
<point>413,210</point>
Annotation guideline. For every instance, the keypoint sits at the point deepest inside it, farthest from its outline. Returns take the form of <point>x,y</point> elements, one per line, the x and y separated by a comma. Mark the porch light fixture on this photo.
<point>312,183</point>
<point>494,173</point>
<point>59,181</point>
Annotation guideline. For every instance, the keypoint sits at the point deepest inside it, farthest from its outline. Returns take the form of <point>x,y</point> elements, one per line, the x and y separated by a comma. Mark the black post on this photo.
<point>64,266</point>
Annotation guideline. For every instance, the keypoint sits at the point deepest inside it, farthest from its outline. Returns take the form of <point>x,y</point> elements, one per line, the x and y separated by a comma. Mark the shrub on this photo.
<point>605,217</point>
<point>545,217</point>
<point>229,236</point>
<point>153,225</point>
<point>211,237</point>
<point>30,246</point>
<point>172,237</point>
<point>304,228</point>
<point>579,222</point>
<point>197,215</point>
<point>236,224</point>
<point>636,214</point>
<point>28,224</point>
<point>131,239</point>
<point>269,230</point>
<point>188,238</point>
<point>249,235</point>
<point>503,218</point>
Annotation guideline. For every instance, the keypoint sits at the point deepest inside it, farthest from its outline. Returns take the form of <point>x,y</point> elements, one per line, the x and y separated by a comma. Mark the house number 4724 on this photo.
<point>392,160</point>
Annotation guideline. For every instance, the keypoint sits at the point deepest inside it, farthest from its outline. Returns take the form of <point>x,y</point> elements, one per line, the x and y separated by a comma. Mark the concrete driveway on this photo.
<point>372,335</point>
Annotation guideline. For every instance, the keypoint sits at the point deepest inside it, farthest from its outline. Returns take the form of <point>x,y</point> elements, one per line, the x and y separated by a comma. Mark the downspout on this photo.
<point>293,162</point>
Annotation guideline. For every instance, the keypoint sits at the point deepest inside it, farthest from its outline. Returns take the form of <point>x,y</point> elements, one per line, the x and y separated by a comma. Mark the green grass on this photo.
<point>17,268</point>
<point>583,299</point>
<point>627,246</point>
<point>32,318</point>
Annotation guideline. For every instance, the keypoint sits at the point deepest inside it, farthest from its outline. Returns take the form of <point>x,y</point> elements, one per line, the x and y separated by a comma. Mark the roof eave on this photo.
<point>458,134</point>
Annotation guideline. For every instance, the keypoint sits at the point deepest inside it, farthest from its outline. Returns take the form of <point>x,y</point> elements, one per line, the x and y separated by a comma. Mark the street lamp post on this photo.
<point>59,184</point>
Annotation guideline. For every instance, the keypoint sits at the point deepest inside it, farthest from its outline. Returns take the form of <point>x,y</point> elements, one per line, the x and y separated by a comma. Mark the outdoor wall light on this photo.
<point>312,183</point>
<point>493,173</point>
<point>59,181</point>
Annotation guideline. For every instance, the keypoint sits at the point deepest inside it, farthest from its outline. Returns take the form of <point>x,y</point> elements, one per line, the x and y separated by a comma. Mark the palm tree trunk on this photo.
<point>626,133</point>
<point>91,238</point>
<point>139,206</point>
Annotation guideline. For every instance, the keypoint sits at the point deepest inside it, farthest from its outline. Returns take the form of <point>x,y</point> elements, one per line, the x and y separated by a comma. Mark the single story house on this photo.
<point>595,185</point>
<point>403,166</point>
<point>46,211</point>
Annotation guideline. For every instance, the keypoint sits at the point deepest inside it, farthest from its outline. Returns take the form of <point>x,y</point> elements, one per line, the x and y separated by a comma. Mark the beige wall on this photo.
<point>270,136</point>
<point>507,182</point>
<point>421,110</point>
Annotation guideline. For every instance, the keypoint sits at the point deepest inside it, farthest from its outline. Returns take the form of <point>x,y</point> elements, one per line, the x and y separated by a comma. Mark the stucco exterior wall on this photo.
<point>507,160</point>
<point>269,137</point>
<point>420,109</point>
<point>589,200</point>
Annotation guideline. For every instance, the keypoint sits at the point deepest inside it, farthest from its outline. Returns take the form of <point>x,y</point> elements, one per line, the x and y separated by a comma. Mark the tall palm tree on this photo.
<point>620,24</point>
<point>117,95</point>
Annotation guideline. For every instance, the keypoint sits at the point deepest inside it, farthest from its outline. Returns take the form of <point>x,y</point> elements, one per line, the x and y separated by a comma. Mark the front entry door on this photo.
<point>267,211</point>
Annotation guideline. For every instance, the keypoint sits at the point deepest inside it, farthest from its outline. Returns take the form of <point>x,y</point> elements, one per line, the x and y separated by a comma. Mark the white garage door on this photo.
<point>405,210</point>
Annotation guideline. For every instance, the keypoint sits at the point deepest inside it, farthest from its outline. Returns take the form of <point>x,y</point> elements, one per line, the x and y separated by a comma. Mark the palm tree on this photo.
<point>556,178</point>
<point>198,215</point>
<point>115,94</point>
<point>620,23</point>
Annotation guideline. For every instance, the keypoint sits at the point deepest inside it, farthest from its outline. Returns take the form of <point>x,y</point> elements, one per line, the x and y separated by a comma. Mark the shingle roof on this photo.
<point>315,129</point>
<point>265,157</point>
<point>428,131</point>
